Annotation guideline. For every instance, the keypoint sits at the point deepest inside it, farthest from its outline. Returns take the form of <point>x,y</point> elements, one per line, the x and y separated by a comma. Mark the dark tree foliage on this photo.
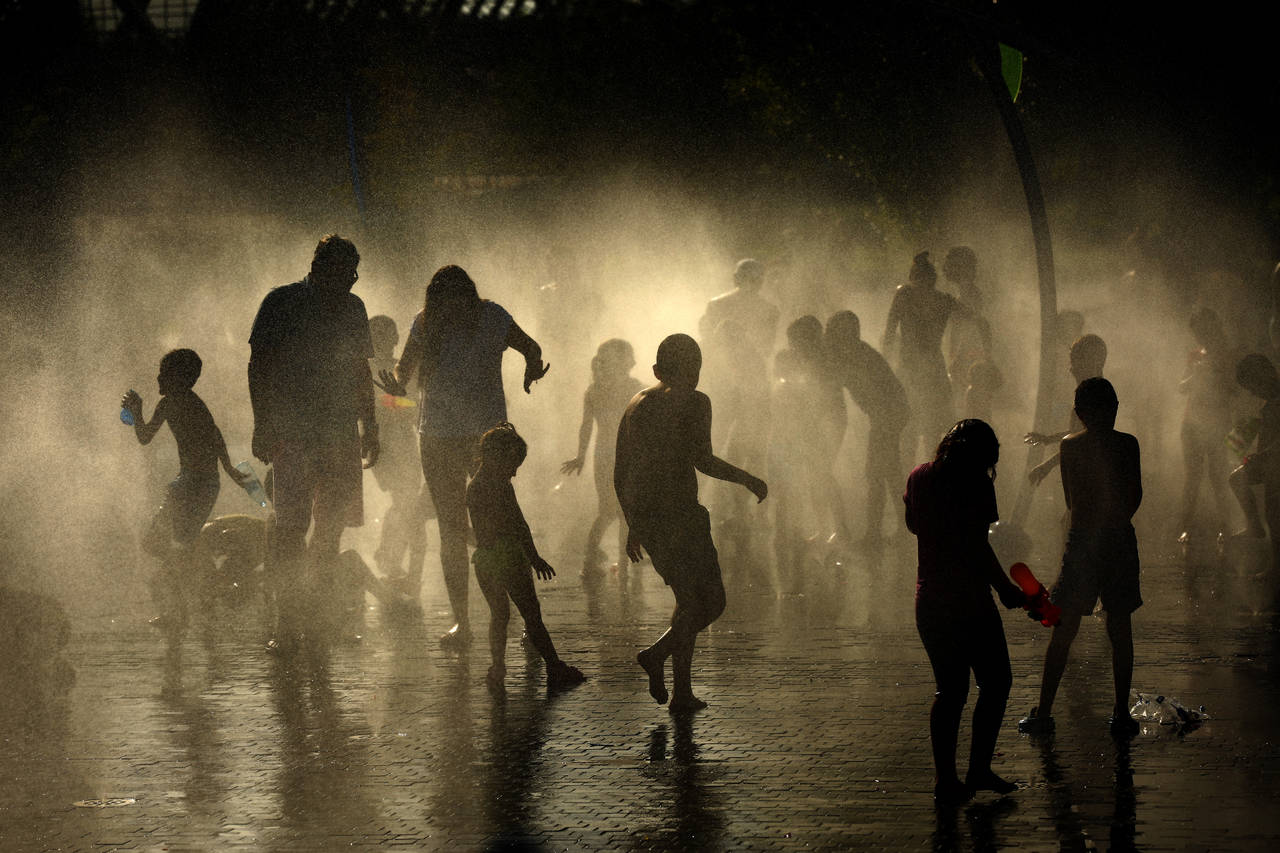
<point>861,103</point>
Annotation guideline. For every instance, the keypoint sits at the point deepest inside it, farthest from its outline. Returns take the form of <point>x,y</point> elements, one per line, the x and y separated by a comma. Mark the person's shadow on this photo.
<point>517,732</point>
<point>695,819</point>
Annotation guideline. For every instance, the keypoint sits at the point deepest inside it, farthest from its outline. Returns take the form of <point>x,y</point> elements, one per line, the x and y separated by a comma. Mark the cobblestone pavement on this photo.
<point>815,738</point>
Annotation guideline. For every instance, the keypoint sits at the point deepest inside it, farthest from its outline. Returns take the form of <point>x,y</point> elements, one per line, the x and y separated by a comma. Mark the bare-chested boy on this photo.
<point>1102,483</point>
<point>663,440</point>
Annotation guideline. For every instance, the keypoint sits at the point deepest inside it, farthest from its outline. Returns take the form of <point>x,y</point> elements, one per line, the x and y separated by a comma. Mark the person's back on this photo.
<point>1101,478</point>
<point>924,314</point>
<point>656,450</point>
<point>310,340</point>
<point>873,386</point>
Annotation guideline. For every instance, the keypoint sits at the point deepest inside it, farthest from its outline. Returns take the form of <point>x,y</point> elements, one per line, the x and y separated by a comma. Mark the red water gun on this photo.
<point>1038,603</point>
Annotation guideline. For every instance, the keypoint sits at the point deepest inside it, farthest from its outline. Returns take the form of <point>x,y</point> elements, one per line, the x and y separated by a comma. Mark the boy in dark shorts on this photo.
<point>191,496</point>
<point>506,559</point>
<point>663,440</point>
<point>1257,375</point>
<point>1102,484</point>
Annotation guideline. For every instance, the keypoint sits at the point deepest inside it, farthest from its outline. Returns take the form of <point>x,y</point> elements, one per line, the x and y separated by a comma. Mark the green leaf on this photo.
<point>1011,70</point>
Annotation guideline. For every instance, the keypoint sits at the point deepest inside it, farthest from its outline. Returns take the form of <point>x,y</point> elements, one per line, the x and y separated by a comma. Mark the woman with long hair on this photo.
<point>951,502</point>
<point>455,347</point>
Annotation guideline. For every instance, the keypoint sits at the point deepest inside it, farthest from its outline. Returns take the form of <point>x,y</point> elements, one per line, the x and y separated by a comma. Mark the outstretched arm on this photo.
<point>534,369</point>
<point>574,466</point>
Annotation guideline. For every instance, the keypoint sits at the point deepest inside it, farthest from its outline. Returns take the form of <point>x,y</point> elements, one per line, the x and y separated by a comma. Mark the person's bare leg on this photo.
<point>1120,633</point>
<point>686,635</point>
<point>499,617</point>
<point>1243,490</point>
<point>703,604</point>
<point>1055,661</point>
<point>653,661</point>
<point>994,676</point>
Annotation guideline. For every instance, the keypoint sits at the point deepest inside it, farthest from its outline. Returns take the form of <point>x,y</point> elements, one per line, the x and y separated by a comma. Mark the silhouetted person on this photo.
<point>736,373</point>
<point>1256,374</point>
<point>1210,389</point>
<point>970,333</point>
<point>506,558</point>
<point>663,441</point>
<point>757,316</point>
<point>612,387</point>
<point>399,474</point>
<point>455,348</point>
<point>921,312</point>
<point>809,421</point>
<point>950,504</point>
<point>876,390</point>
<point>313,418</point>
<point>189,498</point>
<point>1087,357</point>
<point>1102,484</point>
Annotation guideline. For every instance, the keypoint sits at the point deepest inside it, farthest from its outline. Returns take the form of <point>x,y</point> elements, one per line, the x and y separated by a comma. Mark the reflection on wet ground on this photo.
<point>816,736</point>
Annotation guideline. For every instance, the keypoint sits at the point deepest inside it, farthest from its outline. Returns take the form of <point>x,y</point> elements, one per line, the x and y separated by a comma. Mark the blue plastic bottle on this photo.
<point>253,485</point>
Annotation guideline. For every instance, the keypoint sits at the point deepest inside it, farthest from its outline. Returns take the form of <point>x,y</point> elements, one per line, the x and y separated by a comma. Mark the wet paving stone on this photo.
<point>816,737</point>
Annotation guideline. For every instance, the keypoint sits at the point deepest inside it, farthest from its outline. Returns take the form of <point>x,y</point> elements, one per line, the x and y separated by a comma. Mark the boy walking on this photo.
<point>663,440</point>
<point>1102,484</point>
<point>191,496</point>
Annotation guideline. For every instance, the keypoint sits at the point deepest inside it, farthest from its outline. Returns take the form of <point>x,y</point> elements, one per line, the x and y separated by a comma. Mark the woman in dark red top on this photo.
<point>951,501</point>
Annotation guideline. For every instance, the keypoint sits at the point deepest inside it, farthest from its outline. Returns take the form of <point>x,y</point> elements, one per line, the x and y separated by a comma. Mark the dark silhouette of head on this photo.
<point>1096,403</point>
<point>844,329</point>
<point>923,273</point>
<point>968,447</point>
<point>1257,375</point>
<point>503,447</point>
<point>613,356</point>
<point>960,265</point>
<point>748,275</point>
<point>679,361</point>
<point>179,370</point>
<point>1088,356</point>
<point>804,335</point>
<point>1207,328</point>
<point>333,266</point>
<point>385,335</point>
<point>451,289</point>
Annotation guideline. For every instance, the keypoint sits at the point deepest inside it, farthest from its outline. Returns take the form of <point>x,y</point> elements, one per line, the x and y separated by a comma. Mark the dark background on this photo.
<point>870,110</point>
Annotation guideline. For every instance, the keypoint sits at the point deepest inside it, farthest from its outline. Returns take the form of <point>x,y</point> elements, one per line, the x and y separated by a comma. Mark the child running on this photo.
<point>191,496</point>
<point>663,440</point>
<point>506,558</point>
<point>612,387</point>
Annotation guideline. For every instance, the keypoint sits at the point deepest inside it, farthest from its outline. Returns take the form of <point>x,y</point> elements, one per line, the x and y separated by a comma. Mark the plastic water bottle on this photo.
<point>253,485</point>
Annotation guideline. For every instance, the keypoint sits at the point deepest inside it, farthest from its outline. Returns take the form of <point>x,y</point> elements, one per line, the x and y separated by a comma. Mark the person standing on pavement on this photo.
<point>455,347</point>
<point>950,503</point>
<point>313,422</point>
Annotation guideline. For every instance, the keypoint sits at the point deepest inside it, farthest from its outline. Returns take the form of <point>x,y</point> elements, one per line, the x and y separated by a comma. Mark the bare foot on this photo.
<point>686,705</point>
<point>654,666</point>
